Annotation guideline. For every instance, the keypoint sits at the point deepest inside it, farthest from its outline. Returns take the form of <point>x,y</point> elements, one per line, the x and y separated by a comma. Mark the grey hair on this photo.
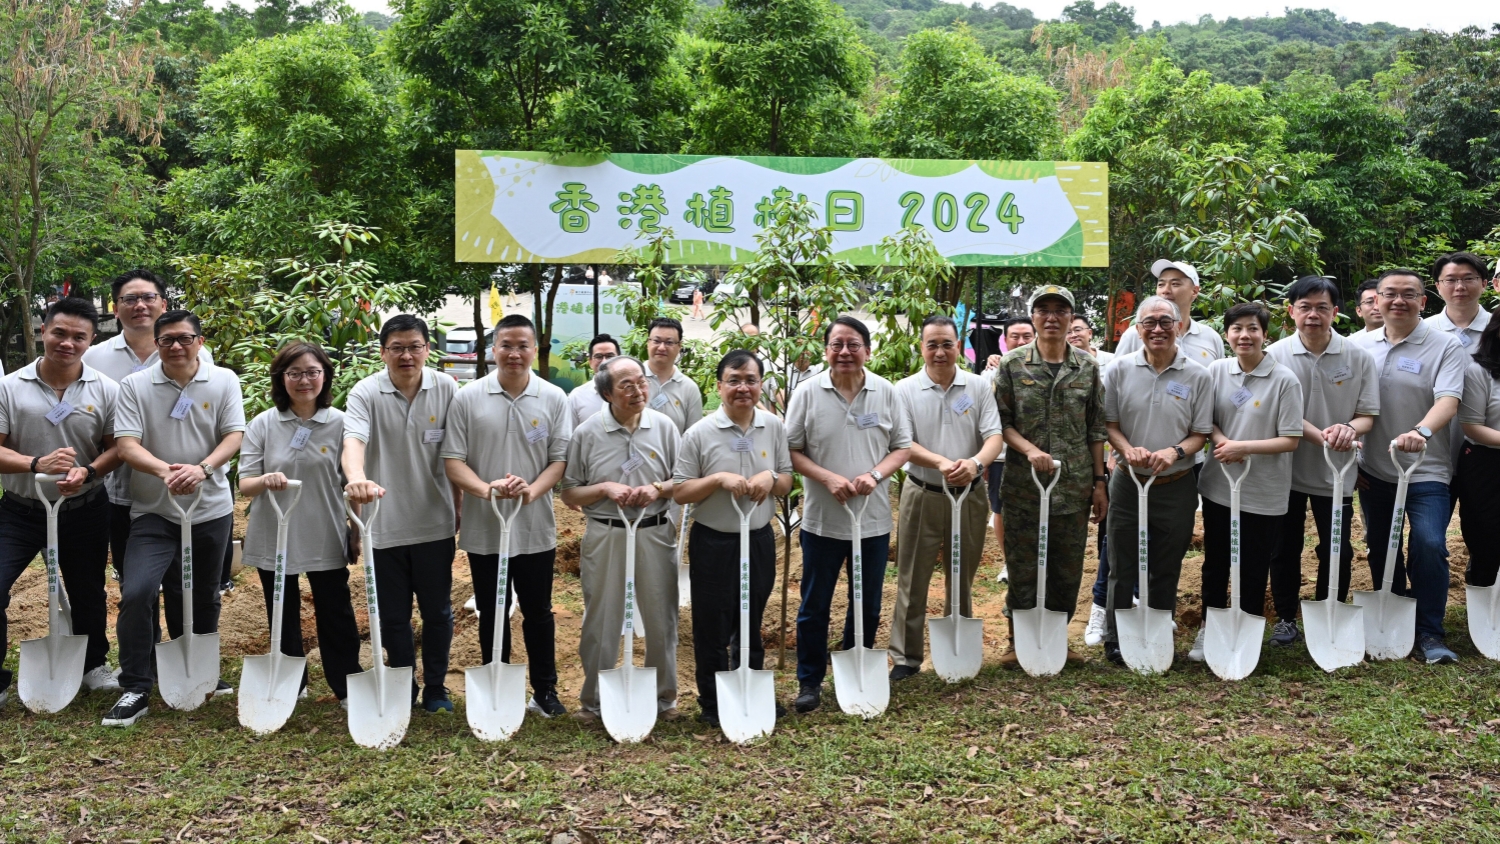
<point>1152,301</point>
<point>604,381</point>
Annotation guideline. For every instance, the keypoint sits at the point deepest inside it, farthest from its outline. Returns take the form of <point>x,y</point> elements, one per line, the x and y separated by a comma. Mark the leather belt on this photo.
<point>937,488</point>
<point>649,521</point>
<point>1162,479</point>
<point>20,502</point>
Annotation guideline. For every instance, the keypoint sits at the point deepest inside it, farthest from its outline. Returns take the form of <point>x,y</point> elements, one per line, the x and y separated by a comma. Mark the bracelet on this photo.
<point>33,464</point>
<point>1101,479</point>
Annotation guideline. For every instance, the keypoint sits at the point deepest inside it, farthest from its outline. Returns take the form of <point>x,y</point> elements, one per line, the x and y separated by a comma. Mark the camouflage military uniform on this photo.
<point>1062,415</point>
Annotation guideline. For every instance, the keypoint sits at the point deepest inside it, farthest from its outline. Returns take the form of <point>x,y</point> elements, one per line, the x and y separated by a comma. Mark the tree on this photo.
<point>1105,24</point>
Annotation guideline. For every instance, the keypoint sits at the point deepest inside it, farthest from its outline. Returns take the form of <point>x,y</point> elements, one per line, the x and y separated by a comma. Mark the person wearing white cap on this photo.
<point>1178,282</point>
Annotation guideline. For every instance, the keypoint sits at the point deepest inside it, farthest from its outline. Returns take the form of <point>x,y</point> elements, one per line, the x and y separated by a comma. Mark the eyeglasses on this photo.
<point>943,346</point>
<point>633,388</point>
<point>840,346</point>
<point>1079,329</point>
<point>601,356</point>
<point>735,383</point>
<point>1405,296</point>
<point>1311,309</point>
<point>1159,324</point>
<point>1053,314</point>
<point>1468,279</point>
<point>130,300</point>
<point>402,351</point>
<point>302,375</point>
<point>667,344</point>
<point>183,340</point>
<point>511,350</point>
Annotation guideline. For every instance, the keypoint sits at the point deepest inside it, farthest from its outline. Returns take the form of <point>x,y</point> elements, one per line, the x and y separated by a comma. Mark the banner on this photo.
<point>531,207</point>
<point>573,322</point>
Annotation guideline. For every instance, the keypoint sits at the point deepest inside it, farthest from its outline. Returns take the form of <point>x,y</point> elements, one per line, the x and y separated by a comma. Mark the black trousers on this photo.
<point>169,605</point>
<point>338,633</point>
<point>1478,488</point>
<point>531,577</point>
<point>714,570</point>
<point>1286,563</point>
<point>1258,537</point>
<point>423,570</point>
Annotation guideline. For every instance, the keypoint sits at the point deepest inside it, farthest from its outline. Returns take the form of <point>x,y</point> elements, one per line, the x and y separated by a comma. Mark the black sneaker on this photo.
<point>1432,651</point>
<point>780,712</point>
<point>1112,653</point>
<point>130,709</point>
<point>222,689</point>
<point>546,704</point>
<point>1285,633</point>
<point>901,672</point>
<point>709,718</point>
<point>438,703</point>
<point>226,587</point>
<point>809,697</point>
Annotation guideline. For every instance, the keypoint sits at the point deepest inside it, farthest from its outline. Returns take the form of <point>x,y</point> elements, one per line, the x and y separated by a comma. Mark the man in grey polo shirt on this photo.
<point>178,424</point>
<point>57,417</point>
<point>847,430</point>
<point>1158,409</point>
<point>672,394</point>
<point>512,428</point>
<point>584,400</point>
<point>1340,400</point>
<point>1178,282</point>
<point>622,458</point>
<point>1421,375</point>
<point>955,431</point>
<point>1460,282</point>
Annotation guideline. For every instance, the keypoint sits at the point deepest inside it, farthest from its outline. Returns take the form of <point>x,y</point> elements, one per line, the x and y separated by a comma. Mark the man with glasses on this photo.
<point>1460,282</point>
<point>672,393</point>
<point>1368,309</point>
<point>955,431</point>
<point>1081,337</point>
<point>847,431</point>
<point>178,424</point>
<point>584,400</point>
<point>513,428</point>
<point>1178,282</point>
<point>394,427</point>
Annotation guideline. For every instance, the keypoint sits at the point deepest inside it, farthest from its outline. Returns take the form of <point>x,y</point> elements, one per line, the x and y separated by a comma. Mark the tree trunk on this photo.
<point>543,308</point>
<point>23,318</point>
<point>481,367</point>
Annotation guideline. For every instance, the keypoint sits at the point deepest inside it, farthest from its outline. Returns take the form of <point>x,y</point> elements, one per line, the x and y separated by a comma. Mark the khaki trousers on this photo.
<point>922,536</point>
<point>601,571</point>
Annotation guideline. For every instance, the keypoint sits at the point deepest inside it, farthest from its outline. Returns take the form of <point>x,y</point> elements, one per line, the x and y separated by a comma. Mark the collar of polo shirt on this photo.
<point>288,415</point>
<point>383,380</point>
<point>827,380</point>
<point>28,372</point>
<point>1416,337</point>
<point>1177,362</point>
<point>1335,345</point>
<point>533,384</point>
<point>612,424</point>
<point>960,378</point>
<point>159,375</point>
<point>722,420</point>
<point>1441,320</point>
<point>1261,369</point>
<point>676,374</point>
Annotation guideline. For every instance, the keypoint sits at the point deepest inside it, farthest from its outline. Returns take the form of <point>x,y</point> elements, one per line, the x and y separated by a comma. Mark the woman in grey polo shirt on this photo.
<point>1479,460</point>
<point>301,438</point>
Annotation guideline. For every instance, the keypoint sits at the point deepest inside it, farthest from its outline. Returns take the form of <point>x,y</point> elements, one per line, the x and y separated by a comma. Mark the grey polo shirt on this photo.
<point>604,450</point>
<point>1413,374</point>
<point>209,409</point>
<point>1481,402</point>
<point>495,435</point>
<point>953,423</point>
<point>1257,405</point>
<point>1157,411</point>
<point>318,532</point>
<point>678,398</point>
<point>584,402</point>
<point>849,439</point>
<point>1336,386</point>
<point>25,404</point>
<point>115,360</point>
<point>1469,339</point>
<point>1201,344</point>
<point>403,443</point>
<point>718,445</point>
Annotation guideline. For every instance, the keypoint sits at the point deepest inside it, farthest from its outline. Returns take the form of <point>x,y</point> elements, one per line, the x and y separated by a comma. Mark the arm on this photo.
<point>583,496</point>
<point>56,462</point>
<point>1100,495</point>
<point>1482,434</point>
<point>838,486</point>
<point>1235,451</point>
<point>182,479</point>
<point>361,490</point>
<point>1040,460</point>
<point>1437,418</point>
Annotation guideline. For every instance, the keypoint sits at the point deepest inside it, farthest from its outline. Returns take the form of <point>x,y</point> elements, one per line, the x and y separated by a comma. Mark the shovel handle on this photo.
<point>363,525</point>
<point>1234,483</point>
<point>282,515</point>
<point>186,516</point>
<point>1405,474</point>
<point>1340,472</point>
<point>505,520</point>
<point>1046,491</point>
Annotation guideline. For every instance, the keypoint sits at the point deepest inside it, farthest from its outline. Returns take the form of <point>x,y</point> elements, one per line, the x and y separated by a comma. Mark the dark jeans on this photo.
<point>531,576</point>
<point>1422,571</point>
<point>1478,487</point>
<point>226,569</point>
<point>1169,531</point>
<point>1286,563</point>
<point>714,569</point>
<point>338,634</point>
<point>425,571</point>
<point>1258,539</point>
<point>822,560</point>
<point>169,605</point>
<point>81,548</point>
<point>153,553</point>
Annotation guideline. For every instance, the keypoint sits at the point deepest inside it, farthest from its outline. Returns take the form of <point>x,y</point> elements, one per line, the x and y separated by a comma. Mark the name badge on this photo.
<point>537,434</point>
<point>632,464</point>
<point>1341,374</point>
<point>867,420</point>
<point>1411,365</point>
<point>180,410</point>
<point>659,401</point>
<point>1181,391</point>
<point>433,435</point>
<point>964,402</point>
<point>743,445</point>
<point>1241,396</point>
<point>1463,337</point>
<point>299,439</point>
<point>59,412</point>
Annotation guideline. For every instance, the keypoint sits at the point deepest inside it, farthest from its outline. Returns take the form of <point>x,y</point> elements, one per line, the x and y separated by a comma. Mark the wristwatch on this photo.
<point>1101,479</point>
<point>208,469</point>
<point>92,473</point>
<point>1424,431</point>
<point>1181,455</point>
<point>977,465</point>
<point>775,476</point>
<point>660,487</point>
<point>875,473</point>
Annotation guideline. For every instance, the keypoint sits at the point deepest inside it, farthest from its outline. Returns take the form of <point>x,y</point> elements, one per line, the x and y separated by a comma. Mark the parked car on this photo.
<point>459,349</point>
<point>683,295</point>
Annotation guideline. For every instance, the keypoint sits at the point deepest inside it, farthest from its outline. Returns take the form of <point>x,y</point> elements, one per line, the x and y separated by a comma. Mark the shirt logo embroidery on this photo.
<point>205,405</point>
<point>432,419</point>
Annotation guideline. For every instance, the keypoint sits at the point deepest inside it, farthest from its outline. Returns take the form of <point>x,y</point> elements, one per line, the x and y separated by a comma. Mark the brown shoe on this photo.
<point>1009,658</point>
<point>669,715</point>
<point>588,716</point>
<point>1075,656</point>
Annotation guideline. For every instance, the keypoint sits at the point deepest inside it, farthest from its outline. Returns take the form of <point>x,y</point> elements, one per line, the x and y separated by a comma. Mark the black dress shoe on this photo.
<point>1112,653</point>
<point>901,672</point>
<point>808,698</point>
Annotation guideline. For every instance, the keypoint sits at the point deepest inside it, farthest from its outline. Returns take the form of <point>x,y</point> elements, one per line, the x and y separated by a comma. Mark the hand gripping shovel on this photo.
<point>51,667</point>
<point>187,668</point>
<point>957,641</point>
<point>1145,633</point>
<point>1232,637</point>
<point>1391,619</point>
<point>627,695</point>
<point>497,689</point>
<point>859,673</point>
<point>1042,634</point>
<point>269,683</point>
<point>379,699</point>
<point>684,585</point>
<point>747,697</point>
<point>1335,630</point>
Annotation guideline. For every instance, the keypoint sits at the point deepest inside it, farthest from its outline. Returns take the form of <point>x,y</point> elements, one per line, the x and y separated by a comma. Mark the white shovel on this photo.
<point>497,689</point>
<point>859,673</point>
<point>187,668</point>
<point>379,699</point>
<point>269,683</point>
<point>1145,633</point>
<point>747,697</point>
<point>1232,637</point>
<point>957,641</point>
<point>684,585</point>
<point>1391,619</point>
<point>51,668</point>
<point>627,695</point>
<point>1042,634</point>
<point>1335,630</point>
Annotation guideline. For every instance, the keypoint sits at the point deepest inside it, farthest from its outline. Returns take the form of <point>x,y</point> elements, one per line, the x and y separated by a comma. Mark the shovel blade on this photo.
<point>684,586</point>
<point>957,646</point>
<point>496,703</point>
<point>1390,624</point>
<point>379,707</point>
<point>627,702</point>
<point>268,691</point>
<point>51,671</point>
<point>1041,640</point>
<point>860,681</point>
<point>1338,642</point>
<point>1145,639</point>
<point>747,703</point>
<point>185,675</point>
<point>1484,618</point>
<point>1231,642</point>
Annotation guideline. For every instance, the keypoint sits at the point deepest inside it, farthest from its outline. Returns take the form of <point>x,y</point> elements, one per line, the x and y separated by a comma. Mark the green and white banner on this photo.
<point>531,207</point>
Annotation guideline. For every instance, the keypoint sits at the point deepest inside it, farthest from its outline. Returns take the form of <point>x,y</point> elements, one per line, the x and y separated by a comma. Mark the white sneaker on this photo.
<point>472,605</point>
<point>1196,654</point>
<point>100,678</point>
<point>1004,575</point>
<point>1094,635</point>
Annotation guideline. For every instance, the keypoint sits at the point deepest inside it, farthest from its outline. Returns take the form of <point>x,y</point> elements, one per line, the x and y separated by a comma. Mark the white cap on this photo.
<point>1163,265</point>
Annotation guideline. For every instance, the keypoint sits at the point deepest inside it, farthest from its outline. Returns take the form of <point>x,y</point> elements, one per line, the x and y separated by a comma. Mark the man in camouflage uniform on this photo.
<point>1051,405</point>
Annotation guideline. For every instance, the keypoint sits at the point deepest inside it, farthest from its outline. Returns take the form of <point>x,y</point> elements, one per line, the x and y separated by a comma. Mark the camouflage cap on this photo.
<point>1052,290</point>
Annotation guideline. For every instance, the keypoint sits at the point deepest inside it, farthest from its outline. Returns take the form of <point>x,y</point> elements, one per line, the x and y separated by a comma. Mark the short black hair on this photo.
<point>174,316</point>
<point>1468,258</point>
<point>848,322</point>
<point>128,276</point>
<point>1312,285</point>
<point>939,319</point>
<point>1402,271</point>
<point>1367,284</point>
<point>666,322</point>
<point>1020,320</point>
<point>603,338</point>
<point>735,359</point>
<point>73,306</point>
<point>403,322</point>
<point>284,360</point>
<point>1238,312</point>
<point>516,321</point>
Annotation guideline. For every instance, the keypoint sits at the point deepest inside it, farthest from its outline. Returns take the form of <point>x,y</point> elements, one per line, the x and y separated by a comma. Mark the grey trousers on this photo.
<point>922,538</point>
<point>601,572</point>
<point>1169,531</point>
